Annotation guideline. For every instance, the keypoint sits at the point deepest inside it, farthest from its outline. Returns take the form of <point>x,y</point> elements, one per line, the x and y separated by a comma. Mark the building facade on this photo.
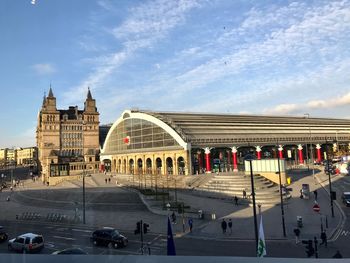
<point>178,143</point>
<point>67,140</point>
<point>26,156</point>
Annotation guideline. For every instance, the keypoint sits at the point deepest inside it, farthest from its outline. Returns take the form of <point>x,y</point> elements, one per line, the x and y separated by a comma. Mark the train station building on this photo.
<point>149,142</point>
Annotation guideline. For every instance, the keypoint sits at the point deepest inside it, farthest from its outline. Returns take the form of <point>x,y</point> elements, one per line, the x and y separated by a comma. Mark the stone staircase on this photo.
<point>228,186</point>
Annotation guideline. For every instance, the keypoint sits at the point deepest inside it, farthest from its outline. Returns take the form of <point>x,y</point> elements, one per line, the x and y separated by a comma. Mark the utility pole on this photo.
<point>281,196</point>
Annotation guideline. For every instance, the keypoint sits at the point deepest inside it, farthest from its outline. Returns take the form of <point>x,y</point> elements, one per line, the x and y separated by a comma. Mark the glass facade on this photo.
<point>132,134</point>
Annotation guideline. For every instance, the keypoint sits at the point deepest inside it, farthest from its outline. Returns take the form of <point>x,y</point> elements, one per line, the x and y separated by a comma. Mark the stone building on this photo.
<point>67,140</point>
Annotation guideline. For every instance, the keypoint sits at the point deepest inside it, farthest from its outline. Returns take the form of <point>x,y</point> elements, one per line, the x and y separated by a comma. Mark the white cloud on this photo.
<point>44,68</point>
<point>146,24</point>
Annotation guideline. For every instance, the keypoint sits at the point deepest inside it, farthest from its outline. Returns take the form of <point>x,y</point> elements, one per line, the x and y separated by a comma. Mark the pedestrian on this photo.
<point>297,235</point>
<point>106,180</point>
<point>315,194</point>
<point>324,238</point>
<point>301,194</point>
<point>190,224</point>
<point>109,180</point>
<point>236,200</point>
<point>230,225</point>
<point>244,194</point>
<point>223,226</point>
<point>337,255</point>
<point>173,218</point>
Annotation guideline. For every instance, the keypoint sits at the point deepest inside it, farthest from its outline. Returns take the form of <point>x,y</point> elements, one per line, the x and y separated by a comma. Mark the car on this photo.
<point>346,198</point>
<point>26,243</point>
<point>3,235</point>
<point>70,251</point>
<point>109,237</point>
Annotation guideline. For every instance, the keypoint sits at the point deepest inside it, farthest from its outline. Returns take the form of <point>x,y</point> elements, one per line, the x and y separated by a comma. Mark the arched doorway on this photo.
<point>119,166</point>
<point>131,166</point>
<point>106,166</point>
<point>169,165</point>
<point>180,165</point>
<point>139,166</point>
<point>159,165</point>
<point>149,166</point>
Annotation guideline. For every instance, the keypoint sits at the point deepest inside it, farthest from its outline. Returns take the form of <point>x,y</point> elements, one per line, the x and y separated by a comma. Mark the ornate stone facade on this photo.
<point>67,140</point>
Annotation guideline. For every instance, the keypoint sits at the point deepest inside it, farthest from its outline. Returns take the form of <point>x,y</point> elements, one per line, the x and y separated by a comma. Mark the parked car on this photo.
<point>70,251</point>
<point>109,237</point>
<point>3,235</point>
<point>27,243</point>
<point>346,198</point>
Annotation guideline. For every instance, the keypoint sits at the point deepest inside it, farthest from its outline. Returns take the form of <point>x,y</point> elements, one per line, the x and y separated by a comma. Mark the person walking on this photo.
<point>315,194</point>
<point>223,226</point>
<point>230,225</point>
<point>109,180</point>
<point>106,180</point>
<point>297,235</point>
<point>236,200</point>
<point>190,224</point>
<point>244,194</point>
<point>173,218</point>
<point>324,238</point>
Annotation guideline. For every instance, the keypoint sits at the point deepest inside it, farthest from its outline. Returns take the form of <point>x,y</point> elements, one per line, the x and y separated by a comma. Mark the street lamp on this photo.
<point>329,162</point>
<point>281,196</point>
<point>311,147</point>
<point>250,157</point>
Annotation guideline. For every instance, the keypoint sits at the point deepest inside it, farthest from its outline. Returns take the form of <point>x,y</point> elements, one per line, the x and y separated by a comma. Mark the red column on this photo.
<point>301,159</point>
<point>234,158</point>
<point>258,152</point>
<point>207,159</point>
<point>319,158</point>
<point>280,151</point>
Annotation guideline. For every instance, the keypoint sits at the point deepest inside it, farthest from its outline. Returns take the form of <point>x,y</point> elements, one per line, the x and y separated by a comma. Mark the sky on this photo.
<point>221,56</point>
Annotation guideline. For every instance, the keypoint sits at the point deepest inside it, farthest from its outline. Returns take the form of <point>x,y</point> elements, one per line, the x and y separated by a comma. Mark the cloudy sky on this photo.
<point>240,57</point>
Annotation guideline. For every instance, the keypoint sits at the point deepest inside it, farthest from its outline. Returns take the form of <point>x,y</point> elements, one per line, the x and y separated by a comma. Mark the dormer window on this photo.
<point>65,117</point>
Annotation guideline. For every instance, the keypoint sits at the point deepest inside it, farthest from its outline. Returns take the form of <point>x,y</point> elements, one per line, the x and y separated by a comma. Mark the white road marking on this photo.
<point>344,233</point>
<point>82,230</point>
<point>66,238</point>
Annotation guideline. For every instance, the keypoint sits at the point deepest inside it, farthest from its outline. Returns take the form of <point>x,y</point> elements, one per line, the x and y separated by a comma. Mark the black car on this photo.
<point>346,198</point>
<point>3,235</point>
<point>109,237</point>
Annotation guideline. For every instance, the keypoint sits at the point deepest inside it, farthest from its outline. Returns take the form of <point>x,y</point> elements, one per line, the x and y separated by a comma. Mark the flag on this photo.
<point>170,241</point>
<point>261,242</point>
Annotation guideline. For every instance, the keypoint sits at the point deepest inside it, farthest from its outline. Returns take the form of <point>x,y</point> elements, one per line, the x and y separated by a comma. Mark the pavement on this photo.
<point>207,228</point>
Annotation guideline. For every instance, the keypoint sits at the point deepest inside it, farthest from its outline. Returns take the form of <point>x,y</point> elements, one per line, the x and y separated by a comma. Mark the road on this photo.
<point>124,209</point>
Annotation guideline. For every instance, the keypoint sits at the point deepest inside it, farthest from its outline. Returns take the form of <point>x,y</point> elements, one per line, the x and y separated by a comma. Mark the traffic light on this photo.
<point>310,251</point>
<point>145,228</point>
<point>138,228</point>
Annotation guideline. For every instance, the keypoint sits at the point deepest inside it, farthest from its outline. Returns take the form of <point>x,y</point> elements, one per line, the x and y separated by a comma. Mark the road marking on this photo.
<point>81,230</point>
<point>66,238</point>
<point>344,233</point>
<point>61,229</point>
<point>49,244</point>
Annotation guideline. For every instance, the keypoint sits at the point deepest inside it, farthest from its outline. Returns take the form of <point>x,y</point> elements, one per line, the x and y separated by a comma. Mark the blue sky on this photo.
<point>224,56</point>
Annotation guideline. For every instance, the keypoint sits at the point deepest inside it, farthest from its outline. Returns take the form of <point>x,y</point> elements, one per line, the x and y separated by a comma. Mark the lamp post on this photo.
<point>250,157</point>
<point>281,196</point>
<point>311,147</point>
<point>329,162</point>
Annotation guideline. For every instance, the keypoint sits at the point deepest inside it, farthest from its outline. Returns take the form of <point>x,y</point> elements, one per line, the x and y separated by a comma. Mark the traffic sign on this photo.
<point>316,208</point>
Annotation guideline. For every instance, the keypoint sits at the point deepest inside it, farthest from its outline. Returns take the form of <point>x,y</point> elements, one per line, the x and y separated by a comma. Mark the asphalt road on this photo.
<point>59,237</point>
